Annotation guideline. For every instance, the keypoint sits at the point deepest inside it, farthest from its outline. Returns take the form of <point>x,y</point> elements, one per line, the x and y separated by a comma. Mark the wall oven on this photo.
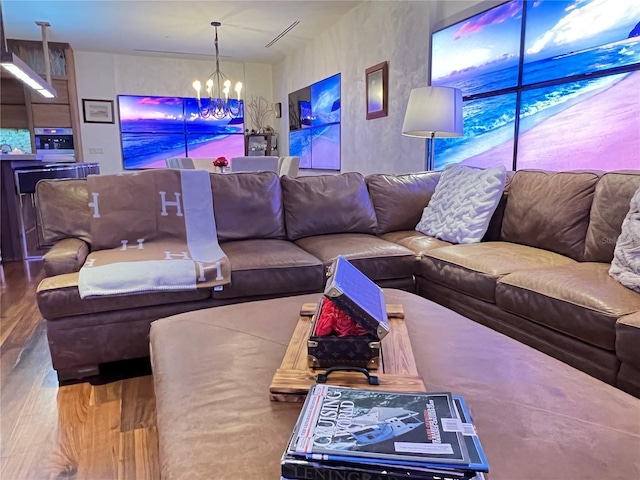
<point>55,144</point>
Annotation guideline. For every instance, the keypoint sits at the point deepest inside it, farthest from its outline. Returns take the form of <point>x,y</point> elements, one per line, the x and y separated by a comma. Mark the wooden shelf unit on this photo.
<point>254,139</point>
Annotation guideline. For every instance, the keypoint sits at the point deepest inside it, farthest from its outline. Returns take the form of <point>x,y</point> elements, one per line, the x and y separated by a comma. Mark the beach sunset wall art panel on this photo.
<point>300,146</point>
<point>563,39</point>
<point>564,95</point>
<point>212,137</point>
<point>488,137</point>
<point>156,128</point>
<point>314,124</point>
<point>480,54</point>
<point>589,124</point>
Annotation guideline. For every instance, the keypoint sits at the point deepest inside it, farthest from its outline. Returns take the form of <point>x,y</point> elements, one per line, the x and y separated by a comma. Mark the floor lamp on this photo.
<point>433,112</point>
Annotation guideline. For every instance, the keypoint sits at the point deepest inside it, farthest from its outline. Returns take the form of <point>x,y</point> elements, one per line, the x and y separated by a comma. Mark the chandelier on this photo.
<point>217,87</point>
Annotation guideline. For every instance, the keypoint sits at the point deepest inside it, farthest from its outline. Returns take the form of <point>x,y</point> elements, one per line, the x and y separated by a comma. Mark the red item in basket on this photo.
<point>324,325</point>
<point>332,320</point>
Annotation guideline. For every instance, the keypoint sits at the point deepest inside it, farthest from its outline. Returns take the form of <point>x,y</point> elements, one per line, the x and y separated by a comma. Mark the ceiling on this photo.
<point>177,28</point>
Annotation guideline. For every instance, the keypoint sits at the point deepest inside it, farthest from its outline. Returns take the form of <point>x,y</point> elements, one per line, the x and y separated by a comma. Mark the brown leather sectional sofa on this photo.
<point>540,275</point>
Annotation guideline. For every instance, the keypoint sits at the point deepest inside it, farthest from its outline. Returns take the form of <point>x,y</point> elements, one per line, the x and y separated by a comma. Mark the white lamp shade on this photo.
<point>433,111</point>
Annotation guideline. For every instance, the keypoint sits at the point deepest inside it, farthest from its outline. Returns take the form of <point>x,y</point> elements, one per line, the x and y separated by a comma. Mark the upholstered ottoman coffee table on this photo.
<point>537,418</point>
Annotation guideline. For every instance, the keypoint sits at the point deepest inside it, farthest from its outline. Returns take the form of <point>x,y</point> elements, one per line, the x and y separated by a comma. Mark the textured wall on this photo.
<point>105,76</point>
<point>396,31</point>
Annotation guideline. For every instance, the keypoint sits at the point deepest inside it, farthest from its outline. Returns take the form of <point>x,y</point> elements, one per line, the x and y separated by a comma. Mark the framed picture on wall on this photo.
<point>97,111</point>
<point>377,80</point>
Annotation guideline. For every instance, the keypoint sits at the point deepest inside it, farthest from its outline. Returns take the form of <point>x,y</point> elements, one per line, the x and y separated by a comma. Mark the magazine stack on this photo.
<point>356,434</point>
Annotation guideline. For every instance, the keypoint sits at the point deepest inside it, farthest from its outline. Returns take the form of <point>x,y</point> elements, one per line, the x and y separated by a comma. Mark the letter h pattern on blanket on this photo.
<point>176,246</point>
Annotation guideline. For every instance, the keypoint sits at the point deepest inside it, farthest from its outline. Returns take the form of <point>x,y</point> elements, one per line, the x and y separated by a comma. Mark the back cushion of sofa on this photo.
<point>325,204</point>
<point>63,209</point>
<point>549,210</point>
<point>495,225</point>
<point>248,206</point>
<point>398,200</point>
<point>610,205</point>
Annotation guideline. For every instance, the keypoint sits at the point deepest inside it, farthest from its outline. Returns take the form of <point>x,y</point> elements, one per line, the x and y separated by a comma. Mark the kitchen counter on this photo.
<point>20,157</point>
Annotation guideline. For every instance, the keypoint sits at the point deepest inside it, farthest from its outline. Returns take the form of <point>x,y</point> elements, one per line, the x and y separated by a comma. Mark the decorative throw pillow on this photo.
<point>464,201</point>
<point>625,266</point>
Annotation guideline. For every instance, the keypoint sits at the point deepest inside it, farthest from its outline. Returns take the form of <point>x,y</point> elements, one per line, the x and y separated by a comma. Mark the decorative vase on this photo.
<point>221,169</point>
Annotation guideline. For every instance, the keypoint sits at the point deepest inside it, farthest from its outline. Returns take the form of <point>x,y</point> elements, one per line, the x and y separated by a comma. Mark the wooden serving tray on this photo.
<point>398,371</point>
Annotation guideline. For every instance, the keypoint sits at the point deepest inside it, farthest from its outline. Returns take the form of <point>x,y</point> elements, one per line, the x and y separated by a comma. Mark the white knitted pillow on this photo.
<point>464,201</point>
<point>625,266</point>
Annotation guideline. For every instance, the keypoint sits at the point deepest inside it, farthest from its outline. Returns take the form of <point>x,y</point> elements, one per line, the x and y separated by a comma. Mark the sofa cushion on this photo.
<point>610,205</point>
<point>549,210</point>
<point>580,300</point>
<point>248,205</point>
<point>63,209</point>
<point>417,242</point>
<point>376,258</point>
<point>59,297</point>
<point>495,224</point>
<point>398,200</point>
<point>325,204</point>
<point>474,269</point>
<point>270,267</point>
<point>628,340</point>
<point>66,256</point>
<point>463,204</point>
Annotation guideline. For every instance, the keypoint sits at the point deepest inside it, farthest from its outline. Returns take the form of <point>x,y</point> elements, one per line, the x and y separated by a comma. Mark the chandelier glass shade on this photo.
<point>217,102</point>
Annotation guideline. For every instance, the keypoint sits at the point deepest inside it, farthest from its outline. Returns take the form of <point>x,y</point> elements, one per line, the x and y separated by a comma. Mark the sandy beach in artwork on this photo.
<point>231,146</point>
<point>600,133</point>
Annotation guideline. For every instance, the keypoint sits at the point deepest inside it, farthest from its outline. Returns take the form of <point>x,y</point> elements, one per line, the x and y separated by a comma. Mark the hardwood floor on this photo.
<point>105,429</point>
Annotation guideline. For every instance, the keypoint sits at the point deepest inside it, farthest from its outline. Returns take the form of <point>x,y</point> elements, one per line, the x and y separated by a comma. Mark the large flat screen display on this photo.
<point>300,146</point>
<point>325,101</point>
<point>569,101</point>
<point>589,124</point>
<point>140,114</point>
<point>489,126</point>
<point>563,39</point>
<point>314,123</point>
<point>153,129</point>
<point>481,53</point>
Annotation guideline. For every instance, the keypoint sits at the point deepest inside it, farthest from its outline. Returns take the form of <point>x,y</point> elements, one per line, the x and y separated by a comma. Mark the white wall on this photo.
<point>105,76</point>
<point>396,31</point>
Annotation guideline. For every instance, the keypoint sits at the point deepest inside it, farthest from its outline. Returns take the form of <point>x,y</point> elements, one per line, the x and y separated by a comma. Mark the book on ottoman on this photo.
<point>349,322</point>
<point>382,435</point>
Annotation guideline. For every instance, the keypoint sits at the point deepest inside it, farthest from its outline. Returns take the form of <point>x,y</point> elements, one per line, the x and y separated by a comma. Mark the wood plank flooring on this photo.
<point>91,431</point>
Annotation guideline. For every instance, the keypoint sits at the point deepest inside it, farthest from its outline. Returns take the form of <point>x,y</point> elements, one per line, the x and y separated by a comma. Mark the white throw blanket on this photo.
<point>625,267</point>
<point>152,231</point>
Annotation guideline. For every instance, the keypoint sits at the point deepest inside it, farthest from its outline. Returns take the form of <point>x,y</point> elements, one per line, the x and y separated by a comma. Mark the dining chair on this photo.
<point>254,164</point>
<point>204,164</point>
<point>180,163</point>
<point>289,166</point>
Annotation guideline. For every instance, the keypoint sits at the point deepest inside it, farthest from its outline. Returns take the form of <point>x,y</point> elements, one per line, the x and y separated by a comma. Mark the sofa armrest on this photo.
<point>628,339</point>
<point>66,256</point>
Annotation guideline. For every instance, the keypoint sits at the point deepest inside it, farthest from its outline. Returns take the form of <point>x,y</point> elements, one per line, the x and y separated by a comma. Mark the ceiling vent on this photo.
<point>168,52</point>
<point>285,31</point>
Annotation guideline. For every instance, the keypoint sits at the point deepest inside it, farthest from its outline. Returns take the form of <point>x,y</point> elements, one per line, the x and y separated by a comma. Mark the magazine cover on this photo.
<point>366,426</point>
<point>477,458</point>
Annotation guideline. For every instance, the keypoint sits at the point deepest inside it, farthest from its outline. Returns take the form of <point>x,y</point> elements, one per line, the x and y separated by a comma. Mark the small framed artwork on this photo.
<point>97,111</point>
<point>278,109</point>
<point>377,80</point>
